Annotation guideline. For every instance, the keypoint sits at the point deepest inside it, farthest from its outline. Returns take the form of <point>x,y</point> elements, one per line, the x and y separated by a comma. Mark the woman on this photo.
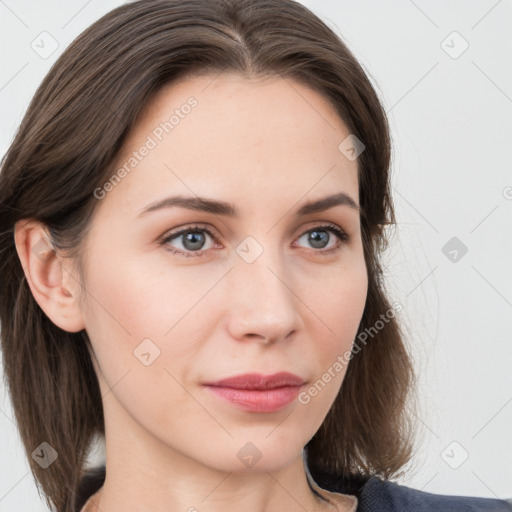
<point>192,215</point>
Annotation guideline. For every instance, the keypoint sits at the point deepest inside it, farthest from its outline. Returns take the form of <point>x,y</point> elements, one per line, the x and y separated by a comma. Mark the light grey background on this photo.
<point>450,112</point>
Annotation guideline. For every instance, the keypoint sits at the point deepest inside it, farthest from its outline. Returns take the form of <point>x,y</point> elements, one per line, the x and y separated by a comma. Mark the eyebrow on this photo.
<point>227,209</point>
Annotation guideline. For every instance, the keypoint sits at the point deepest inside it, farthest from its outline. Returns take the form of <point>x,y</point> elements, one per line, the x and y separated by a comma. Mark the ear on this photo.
<point>49,276</point>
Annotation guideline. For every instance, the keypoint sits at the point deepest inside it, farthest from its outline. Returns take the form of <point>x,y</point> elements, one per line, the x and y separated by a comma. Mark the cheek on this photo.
<point>139,323</point>
<point>139,313</point>
<point>124,309</point>
<point>134,299</point>
<point>338,305</point>
<point>334,326</point>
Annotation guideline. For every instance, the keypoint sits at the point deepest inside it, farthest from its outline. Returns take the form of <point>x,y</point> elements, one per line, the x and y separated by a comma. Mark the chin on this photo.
<point>256,455</point>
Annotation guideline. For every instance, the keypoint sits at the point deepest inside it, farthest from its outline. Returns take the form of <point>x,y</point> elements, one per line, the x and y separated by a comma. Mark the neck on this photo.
<point>206,489</point>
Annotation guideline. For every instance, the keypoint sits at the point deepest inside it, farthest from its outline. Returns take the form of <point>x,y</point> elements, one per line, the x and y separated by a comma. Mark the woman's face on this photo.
<point>252,288</point>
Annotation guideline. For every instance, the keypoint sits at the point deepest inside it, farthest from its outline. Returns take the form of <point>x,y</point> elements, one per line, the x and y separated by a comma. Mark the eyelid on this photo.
<point>194,226</point>
<point>187,228</point>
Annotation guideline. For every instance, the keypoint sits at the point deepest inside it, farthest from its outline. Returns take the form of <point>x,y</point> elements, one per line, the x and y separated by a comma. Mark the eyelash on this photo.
<point>342,236</point>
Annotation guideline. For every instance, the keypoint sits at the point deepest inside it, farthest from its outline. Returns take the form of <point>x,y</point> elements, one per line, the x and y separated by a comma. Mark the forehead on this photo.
<point>263,139</point>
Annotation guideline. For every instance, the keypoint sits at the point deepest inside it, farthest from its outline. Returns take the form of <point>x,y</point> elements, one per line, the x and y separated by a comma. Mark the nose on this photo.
<point>262,305</point>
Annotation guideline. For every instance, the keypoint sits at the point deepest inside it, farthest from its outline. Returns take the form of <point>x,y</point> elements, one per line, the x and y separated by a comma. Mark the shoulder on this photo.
<point>385,495</point>
<point>377,495</point>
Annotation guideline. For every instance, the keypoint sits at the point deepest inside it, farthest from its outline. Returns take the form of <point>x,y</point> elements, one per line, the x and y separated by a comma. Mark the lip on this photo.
<point>259,381</point>
<point>256,392</point>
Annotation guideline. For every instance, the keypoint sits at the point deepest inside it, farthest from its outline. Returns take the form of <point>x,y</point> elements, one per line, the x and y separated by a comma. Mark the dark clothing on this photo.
<point>376,495</point>
<point>373,494</point>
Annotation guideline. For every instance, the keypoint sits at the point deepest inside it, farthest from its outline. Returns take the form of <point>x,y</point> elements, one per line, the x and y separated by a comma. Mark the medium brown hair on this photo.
<point>64,149</point>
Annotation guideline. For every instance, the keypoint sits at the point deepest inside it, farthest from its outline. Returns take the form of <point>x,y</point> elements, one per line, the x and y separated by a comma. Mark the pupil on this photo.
<point>195,238</point>
<point>319,237</point>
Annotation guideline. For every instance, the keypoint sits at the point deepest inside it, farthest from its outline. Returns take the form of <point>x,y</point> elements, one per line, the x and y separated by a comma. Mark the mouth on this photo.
<point>256,392</point>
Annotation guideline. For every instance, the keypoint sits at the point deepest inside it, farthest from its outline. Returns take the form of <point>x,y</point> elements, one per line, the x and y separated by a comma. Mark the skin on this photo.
<point>267,146</point>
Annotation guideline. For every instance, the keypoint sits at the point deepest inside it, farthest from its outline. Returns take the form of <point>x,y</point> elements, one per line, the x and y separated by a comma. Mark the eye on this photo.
<point>319,236</point>
<point>193,238</point>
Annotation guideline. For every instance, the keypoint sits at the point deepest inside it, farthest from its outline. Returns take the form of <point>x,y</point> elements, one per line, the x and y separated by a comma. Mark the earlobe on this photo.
<point>53,286</point>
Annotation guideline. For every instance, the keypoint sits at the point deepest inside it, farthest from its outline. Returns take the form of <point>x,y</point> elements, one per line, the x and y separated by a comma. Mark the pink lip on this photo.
<point>256,392</point>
